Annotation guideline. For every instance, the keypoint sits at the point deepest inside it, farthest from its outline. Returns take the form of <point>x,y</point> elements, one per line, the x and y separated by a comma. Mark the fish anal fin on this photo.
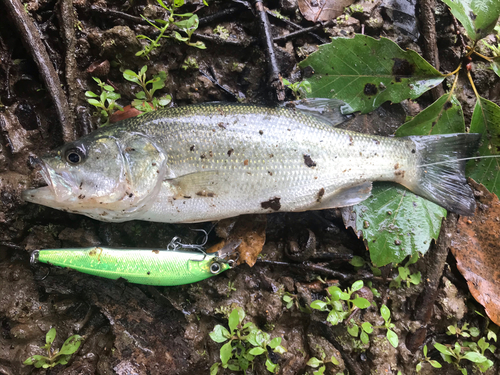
<point>345,197</point>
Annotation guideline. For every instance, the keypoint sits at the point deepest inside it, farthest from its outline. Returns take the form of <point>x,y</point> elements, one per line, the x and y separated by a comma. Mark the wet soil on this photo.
<point>134,329</point>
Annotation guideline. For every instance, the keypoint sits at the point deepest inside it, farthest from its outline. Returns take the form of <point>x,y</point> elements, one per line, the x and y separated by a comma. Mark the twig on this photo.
<point>216,83</point>
<point>431,53</point>
<point>299,32</point>
<point>219,15</point>
<point>435,260</point>
<point>219,41</point>
<point>33,43</point>
<point>111,13</point>
<point>67,20</point>
<point>294,26</point>
<point>265,31</point>
<point>308,266</point>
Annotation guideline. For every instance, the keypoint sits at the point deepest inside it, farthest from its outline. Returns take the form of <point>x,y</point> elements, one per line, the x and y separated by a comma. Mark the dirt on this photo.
<point>134,329</point>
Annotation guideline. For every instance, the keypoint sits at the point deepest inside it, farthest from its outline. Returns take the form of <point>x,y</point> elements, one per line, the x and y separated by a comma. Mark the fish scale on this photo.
<point>213,161</point>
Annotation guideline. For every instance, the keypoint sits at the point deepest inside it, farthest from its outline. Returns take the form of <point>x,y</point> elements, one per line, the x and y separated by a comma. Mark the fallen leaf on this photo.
<point>322,10</point>
<point>475,247</point>
<point>249,229</point>
<point>128,112</point>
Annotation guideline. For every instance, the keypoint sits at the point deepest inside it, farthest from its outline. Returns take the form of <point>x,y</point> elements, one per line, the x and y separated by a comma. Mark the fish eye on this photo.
<point>74,156</point>
<point>215,268</point>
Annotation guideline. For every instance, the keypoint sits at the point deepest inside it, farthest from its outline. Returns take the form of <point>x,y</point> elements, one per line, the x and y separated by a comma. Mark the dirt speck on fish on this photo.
<point>170,166</point>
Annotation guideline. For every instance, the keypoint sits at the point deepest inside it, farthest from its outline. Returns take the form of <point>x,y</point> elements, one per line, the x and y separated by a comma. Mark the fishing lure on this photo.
<point>139,266</point>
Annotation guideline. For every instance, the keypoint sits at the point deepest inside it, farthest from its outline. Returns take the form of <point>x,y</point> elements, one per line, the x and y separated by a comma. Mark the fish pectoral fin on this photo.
<point>197,184</point>
<point>330,111</point>
<point>346,196</point>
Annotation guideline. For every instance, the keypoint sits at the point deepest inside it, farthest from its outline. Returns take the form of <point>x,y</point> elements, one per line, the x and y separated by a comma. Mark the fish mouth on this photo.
<point>46,195</point>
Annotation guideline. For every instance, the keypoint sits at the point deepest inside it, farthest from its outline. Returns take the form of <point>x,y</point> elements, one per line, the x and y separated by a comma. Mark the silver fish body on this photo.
<point>213,161</point>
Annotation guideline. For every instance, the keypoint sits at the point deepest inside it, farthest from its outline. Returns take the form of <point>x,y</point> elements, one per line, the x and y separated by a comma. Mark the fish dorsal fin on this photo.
<point>330,111</point>
<point>346,197</point>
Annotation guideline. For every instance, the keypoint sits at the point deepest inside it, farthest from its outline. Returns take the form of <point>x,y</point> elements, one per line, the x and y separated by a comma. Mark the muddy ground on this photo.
<point>134,329</point>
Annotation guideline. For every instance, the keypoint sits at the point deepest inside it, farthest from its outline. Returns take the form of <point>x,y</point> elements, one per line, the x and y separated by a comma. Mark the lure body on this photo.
<point>148,267</point>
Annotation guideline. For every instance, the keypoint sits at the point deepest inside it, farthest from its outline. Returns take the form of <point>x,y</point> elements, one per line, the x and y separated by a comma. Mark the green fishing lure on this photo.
<point>139,266</point>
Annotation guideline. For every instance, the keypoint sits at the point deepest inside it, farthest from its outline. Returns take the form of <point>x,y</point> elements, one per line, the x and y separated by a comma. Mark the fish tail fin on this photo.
<point>440,175</point>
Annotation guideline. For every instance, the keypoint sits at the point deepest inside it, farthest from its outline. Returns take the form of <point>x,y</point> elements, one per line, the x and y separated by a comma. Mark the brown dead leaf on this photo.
<point>322,10</point>
<point>249,229</point>
<point>476,247</point>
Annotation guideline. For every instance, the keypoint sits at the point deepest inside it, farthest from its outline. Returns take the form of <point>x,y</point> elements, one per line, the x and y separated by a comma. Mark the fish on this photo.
<point>138,266</point>
<point>207,162</point>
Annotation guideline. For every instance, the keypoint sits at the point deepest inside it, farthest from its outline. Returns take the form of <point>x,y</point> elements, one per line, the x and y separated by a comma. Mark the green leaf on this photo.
<point>452,330</point>
<point>425,350</point>
<point>257,351</point>
<point>141,95</point>
<point>444,116</point>
<point>357,261</point>
<point>319,305</point>
<point>435,364</point>
<point>334,318</point>
<point>50,336</point>
<point>385,312</point>
<point>344,296</point>
<point>314,362</point>
<point>474,357</point>
<point>271,367</point>
<point>361,303</point>
<point>366,72</point>
<point>474,331</point>
<point>416,278</point>
<point>214,369</point>
<point>486,120</point>
<point>233,320</point>
<point>418,368</point>
<point>334,292</point>
<point>495,65</point>
<point>441,348</point>
<point>108,88</point>
<point>90,94</point>
<point>404,272</point>
<point>367,327</point>
<point>353,330</point>
<point>320,371</point>
<point>275,342</point>
<point>479,17</point>
<point>401,223</point>
<point>71,345</point>
<point>131,76</point>
<point>94,102</point>
<point>219,334</point>
<point>357,285</point>
<point>226,352</point>
<point>143,70</point>
<point>34,358</point>
<point>393,338</point>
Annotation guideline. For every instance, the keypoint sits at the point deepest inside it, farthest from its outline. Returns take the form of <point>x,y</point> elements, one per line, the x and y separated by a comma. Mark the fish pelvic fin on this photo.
<point>440,175</point>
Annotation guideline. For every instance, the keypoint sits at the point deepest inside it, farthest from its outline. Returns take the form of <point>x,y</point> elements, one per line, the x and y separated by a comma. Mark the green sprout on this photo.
<point>432,362</point>
<point>55,357</point>
<point>190,63</point>
<point>297,88</point>
<point>188,23</point>
<point>391,335</point>
<point>465,331</point>
<point>340,304</point>
<point>230,288</point>
<point>243,342</point>
<point>222,31</point>
<point>106,102</point>
<point>291,300</point>
<point>405,275</point>
<point>455,353</point>
<point>315,362</point>
<point>145,100</point>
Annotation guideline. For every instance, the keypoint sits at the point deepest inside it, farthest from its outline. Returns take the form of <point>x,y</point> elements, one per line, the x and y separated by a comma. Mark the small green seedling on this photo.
<point>106,102</point>
<point>188,23</point>
<point>145,100</point>
<point>292,299</point>
<point>230,288</point>
<point>190,63</point>
<point>244,343</point>
<point>222,32</point>
<point>55,357</point>
<point>298,88</point>
<point>391,335</point>
<point>455,353</point>
<point>465,331</point>
<point>432,362</point>
<point>315,363</point>
<point>336,301</point>
<point>365,328</point>
<point>405,275</point>
<point>358,262</point>
<point>480,347</point>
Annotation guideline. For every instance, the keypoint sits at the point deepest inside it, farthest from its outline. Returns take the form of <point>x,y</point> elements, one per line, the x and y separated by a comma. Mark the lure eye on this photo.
<point>74,156</point>
<point>215,268</point>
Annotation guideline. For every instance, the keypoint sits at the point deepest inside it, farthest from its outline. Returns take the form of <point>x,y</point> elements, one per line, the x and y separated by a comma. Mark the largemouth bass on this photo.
<point>213,161</point>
